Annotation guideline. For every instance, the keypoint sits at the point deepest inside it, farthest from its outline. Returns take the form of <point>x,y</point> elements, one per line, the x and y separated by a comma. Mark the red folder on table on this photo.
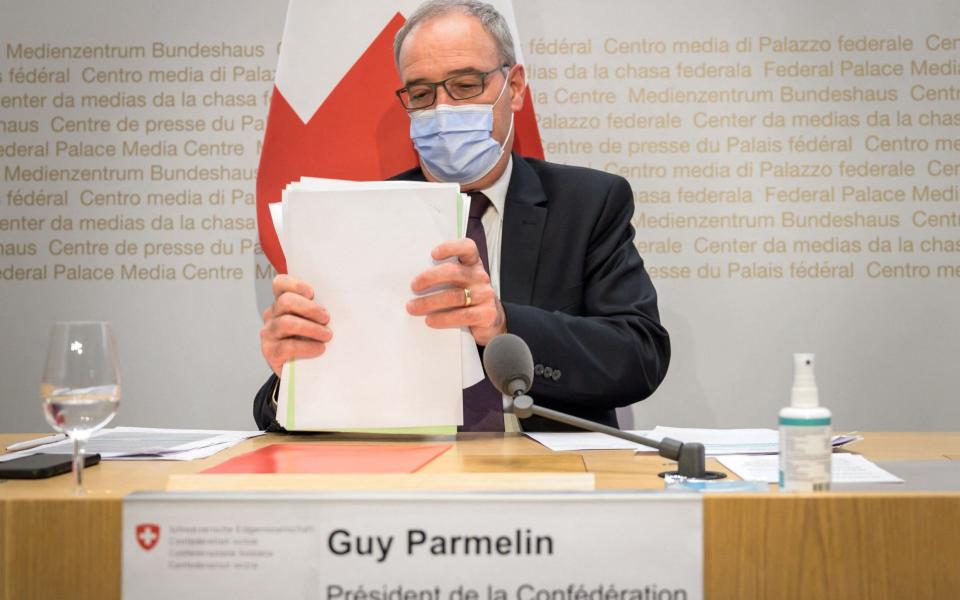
<point>332,458</point>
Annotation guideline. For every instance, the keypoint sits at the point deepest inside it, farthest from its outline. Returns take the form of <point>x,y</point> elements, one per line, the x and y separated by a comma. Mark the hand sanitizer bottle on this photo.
<point>805,434</point>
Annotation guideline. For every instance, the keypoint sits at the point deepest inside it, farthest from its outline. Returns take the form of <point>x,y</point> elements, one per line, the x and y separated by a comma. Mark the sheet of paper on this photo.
<point>723,441</point>
<point>843,439</point>
<point>587,440</point>
<point>181,455</point>
<point>145,443</point>
<point>332,458</point>
<point>716,441</point>
<point>276,215</point>
<point>845,468</point>
<point>360,246</point>
<point>719,442</point>
<point>471,365</point>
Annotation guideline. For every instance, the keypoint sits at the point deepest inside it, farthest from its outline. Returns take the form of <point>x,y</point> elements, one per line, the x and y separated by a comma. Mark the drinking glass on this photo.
<point>81,384</point>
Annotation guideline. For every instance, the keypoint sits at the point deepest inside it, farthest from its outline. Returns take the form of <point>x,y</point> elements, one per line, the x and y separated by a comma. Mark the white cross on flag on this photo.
<point>334,113</point>
<point>148,534</point>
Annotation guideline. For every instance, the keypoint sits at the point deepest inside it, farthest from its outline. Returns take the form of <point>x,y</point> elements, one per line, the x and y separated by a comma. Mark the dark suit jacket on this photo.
<point>574,288</point>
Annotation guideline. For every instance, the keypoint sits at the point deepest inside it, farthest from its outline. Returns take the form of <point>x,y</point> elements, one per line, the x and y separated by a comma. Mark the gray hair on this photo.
<point>491,20</point>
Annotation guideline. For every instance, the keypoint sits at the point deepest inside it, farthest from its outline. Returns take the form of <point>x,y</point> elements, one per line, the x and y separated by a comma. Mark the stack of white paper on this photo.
<point>147,443</point>
<point>360,245</point>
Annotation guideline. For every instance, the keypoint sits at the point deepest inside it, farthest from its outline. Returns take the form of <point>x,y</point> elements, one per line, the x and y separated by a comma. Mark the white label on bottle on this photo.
<point>805,452</point>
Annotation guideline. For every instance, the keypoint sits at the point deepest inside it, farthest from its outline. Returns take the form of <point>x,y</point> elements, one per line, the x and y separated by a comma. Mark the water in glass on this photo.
<point>81,383</point>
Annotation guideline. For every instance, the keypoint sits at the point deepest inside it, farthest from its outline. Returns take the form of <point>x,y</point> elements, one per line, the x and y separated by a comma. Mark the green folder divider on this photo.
<point>429,430</point>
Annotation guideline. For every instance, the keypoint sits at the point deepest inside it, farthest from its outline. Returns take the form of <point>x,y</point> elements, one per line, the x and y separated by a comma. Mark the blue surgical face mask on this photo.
<point>455,142</point>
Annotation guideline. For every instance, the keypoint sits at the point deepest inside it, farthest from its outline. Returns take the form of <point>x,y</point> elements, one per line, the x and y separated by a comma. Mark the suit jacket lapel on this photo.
<point>525,214</point>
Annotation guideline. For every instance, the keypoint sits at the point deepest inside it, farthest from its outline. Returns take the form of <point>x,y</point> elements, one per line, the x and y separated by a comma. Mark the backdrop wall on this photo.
<point>795,165</point>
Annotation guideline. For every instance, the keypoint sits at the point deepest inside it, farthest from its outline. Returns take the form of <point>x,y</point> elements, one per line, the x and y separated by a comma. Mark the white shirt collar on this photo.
<point>498,191</point>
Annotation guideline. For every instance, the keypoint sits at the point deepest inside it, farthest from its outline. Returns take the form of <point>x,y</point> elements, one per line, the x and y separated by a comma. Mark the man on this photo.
<point>550,256</point>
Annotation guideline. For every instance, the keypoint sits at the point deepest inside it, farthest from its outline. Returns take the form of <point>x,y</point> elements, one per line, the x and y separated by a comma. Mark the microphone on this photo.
<point>509,366</point>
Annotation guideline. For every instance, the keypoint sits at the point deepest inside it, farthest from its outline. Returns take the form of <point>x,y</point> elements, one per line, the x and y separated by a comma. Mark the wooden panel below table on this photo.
<point>843,546</point>
<point>60,549</point>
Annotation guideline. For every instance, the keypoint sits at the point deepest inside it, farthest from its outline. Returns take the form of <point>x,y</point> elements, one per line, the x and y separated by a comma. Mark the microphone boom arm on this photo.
<point>508,365</point>
<point>690,457</point>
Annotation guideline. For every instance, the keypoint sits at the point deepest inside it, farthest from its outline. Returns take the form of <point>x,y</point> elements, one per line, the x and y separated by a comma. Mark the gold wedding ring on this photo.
<point>467,297</point>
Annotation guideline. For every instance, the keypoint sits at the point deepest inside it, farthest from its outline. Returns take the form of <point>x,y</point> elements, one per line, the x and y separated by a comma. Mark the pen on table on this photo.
<point>26,445</point>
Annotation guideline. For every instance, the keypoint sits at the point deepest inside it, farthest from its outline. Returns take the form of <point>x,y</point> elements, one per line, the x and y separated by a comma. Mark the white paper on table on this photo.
<point>717,442</point>
<point>471,366</point>
<point>722,441</point>
<point>182,455</point>
<point>845,468</point>
<point>147,443</point>
<point>587,440</point>
<point>359,245</point>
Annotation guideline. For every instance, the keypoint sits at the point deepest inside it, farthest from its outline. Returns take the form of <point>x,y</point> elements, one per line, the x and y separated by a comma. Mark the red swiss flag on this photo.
<point>359,132</point>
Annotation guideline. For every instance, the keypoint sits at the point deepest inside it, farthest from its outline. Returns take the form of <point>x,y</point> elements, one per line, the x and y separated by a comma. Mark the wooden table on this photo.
<point>768,546</point>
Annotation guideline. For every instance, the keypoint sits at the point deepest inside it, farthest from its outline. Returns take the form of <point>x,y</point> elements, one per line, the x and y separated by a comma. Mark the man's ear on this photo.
<point>518,87</point>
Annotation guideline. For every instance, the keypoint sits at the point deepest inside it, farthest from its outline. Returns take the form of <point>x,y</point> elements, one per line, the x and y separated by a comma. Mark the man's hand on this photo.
<point>447,308</point>
<point>294,326</point>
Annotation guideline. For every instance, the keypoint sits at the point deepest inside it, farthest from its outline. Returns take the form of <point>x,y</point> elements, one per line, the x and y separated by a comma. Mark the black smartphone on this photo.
<point>40,466</point>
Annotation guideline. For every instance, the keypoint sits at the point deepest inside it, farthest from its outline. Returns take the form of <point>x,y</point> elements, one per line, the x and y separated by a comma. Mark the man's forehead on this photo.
<point>446,45</point>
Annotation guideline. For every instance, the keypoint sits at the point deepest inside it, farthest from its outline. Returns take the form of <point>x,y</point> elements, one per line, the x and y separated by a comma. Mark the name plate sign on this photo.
<point>413,546</point>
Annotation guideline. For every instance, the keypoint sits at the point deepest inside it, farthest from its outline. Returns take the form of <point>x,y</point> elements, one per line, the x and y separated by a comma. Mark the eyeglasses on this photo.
<point>459,87</point>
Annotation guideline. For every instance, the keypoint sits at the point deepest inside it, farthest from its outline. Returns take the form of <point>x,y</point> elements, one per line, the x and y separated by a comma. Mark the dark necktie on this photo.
<point>482,403</point>
<point>479,204</point>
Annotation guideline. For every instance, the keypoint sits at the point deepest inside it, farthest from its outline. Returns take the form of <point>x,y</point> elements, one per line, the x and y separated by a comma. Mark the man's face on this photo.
<point>455,43</point>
